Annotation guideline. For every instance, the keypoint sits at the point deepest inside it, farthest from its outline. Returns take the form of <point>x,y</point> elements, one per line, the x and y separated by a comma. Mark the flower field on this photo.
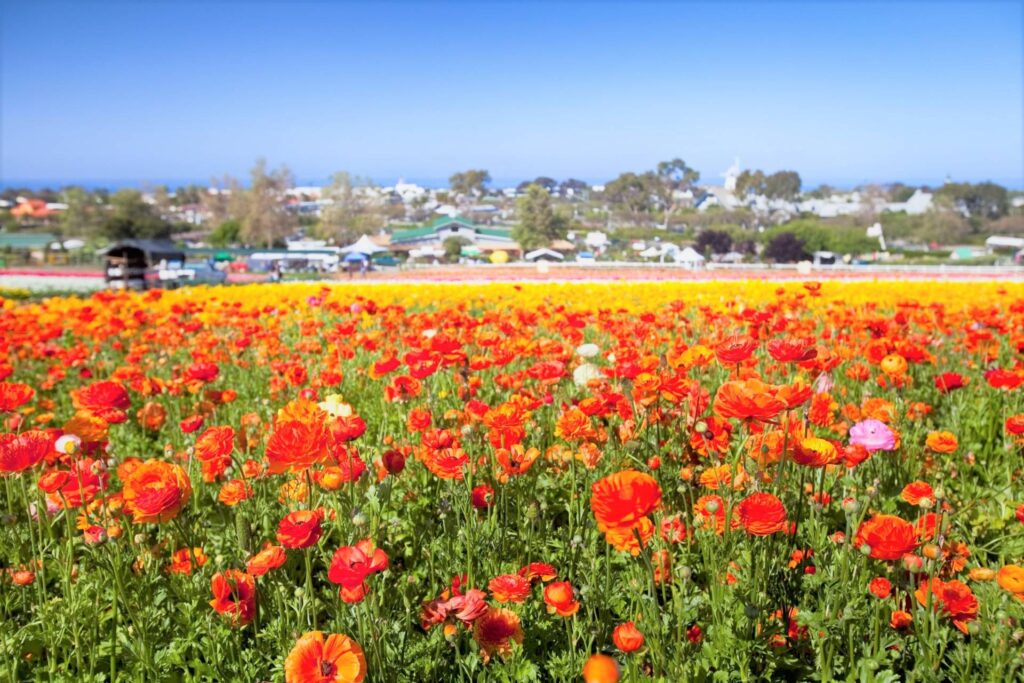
<point>661,481</point>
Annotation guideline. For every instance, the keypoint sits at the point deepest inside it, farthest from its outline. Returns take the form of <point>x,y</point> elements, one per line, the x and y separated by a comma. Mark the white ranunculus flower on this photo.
<point>587,350</point>
<point>584,373</point>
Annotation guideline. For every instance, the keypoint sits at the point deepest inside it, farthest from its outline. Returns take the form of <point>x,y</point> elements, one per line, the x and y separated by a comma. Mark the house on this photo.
<point>447,227</point>
<point>32,208</point>
<point>918,203</point>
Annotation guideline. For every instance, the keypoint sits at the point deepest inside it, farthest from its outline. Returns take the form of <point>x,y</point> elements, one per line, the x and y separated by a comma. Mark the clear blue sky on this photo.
<point>843,92</point>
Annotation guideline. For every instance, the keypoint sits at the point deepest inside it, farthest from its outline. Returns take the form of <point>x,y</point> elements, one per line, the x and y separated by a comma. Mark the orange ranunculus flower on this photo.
<point>270,558</point>
<point>106,399</point>
<point>747,400</point>
<point>627,637</point>
<point>629,539</point>
<point>352,564</point>
<point>1011,578</point>
<point>574,425</point>
<point>762,514</point>
<point>509,588</point>
<point>86,426</point>
<point>621,499</point>
<point>515,461</point>
<point>300,529</point>
<point>735,350</point>
<point>600,669</point>
<point>894,365</point>
<point>941,442</point>
<point>13,395</point>
<point>181,560</point>
<point>561,599</point>
<point>213,450</point>
<point>815,452</point>
<point>900,620</point>
<point>156,491</point>
<point>297,445</point>
<point>234,596</point>
<point>880,587</point>
<point>916,491</point>
<point>496,630</point>
<point>338,659</point>
<point>887,536</point>
<point>234,492</point>
<point>152,416</point>
<point>19,452</point>
<point>953,597</point>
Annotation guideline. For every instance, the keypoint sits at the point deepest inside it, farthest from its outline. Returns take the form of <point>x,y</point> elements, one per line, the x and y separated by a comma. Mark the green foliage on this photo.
<point>453,248</point>
<point>817,236</point>
<point>131,217</point>
<point>539,224</point>
<point>982,200</point>
<point>469,183</point>
<point>227,233</point>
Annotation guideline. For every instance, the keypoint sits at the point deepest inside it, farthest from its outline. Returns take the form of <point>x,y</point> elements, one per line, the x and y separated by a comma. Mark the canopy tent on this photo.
<point>364,245</point>
<point>544,254</point>
<point>650,252</point>
<point>356,256</point>
<point>689,256</point>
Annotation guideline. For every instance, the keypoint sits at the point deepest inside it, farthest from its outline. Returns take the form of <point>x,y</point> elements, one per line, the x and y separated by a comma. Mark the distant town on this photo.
<point>671,214</point>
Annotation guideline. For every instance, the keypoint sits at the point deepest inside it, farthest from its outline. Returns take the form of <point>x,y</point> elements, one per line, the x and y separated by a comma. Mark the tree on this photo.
<point>983,200</point>
<point>782,185</point>
<point>469,183</point>
<point>79,218</point>
<point>674,179</point>
<point>453,248</point>
<point>264,218</point>
<point>572,187</point>
<point>539,224</point>
<point>632,192</point>
<point>227,233</point>
<point>750,182</point>
<point>714,242</point>
<point>131,217</point>
<point>786,247</point>
<point>350,211</point>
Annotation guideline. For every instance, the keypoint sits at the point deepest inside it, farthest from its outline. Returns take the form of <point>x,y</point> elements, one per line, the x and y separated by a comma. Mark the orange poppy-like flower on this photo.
<point>747,400</point>
<point>894,365</point>
<point>792,349</point>
<point>86,426</point>
<point>762,514</point>
<point>181,560</point>
<point>574,425</point>
<point>888,537</point>
<point>953,597</point>
<point>509,588</point>
<point>300,529</point>
<point>538,571</point>
<point>80,485</point>
<point>352,564</point>
<point>234,596</point>
<point>621,499</point>
<point>713,477</point>
<point>13,395</point>
<point>711,513</point>
<point>156,491</point>
<point>19,452</point>
<point>735,350</point>
<point>815,452</point>
<point>297,445</point>
<point>941,442</point>
<point>213,450</point>
<point>561,599</point>
<point>600,669</point>
<point>266,560</point>
<point>795,394</point>
<point>234,492</point>
<point>880,587</point>
<point>515,461</point>
<point>151,416</point>
<point>446,463</point>
<point>916,491</point>
<point>495,631</point>
<point>1011,578</point>
<point>900,620</point>
<point>314,659</point>
<point>631,539</point>
<point>627,637</point>
<point>106,399</point>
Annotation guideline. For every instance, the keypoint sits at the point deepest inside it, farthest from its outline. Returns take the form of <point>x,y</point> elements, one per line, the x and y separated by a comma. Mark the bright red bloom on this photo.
<point>352,564</point>
<point>297,445</point>
<point>880,587</point>
<point>13,395</point>
<point>954,598</point>
<point>621,499</point>
<point>887,536</point>
<point>627,637</point>
<point>735,350</point>
<point>300,529</point>
<point>949,381</point>
<point>762,514</point>
<point>509,588</point>
<point>792,350</point>
<point>106,399</point>
<point>234,596</point>
<point>19,452</point>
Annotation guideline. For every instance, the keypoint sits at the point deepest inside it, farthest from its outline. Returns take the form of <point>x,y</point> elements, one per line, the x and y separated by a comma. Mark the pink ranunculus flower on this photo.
<point>823,384</point>
<point>873,435</point>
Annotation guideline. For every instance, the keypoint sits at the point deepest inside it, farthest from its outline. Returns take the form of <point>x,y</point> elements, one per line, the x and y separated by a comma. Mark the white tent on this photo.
<point>543,253</point>
<point>650,252</point>
<point>689,256</point>
<point>364,245</point>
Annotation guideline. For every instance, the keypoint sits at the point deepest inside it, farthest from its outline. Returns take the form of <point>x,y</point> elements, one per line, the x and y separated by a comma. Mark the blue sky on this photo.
<point>843,92</point>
